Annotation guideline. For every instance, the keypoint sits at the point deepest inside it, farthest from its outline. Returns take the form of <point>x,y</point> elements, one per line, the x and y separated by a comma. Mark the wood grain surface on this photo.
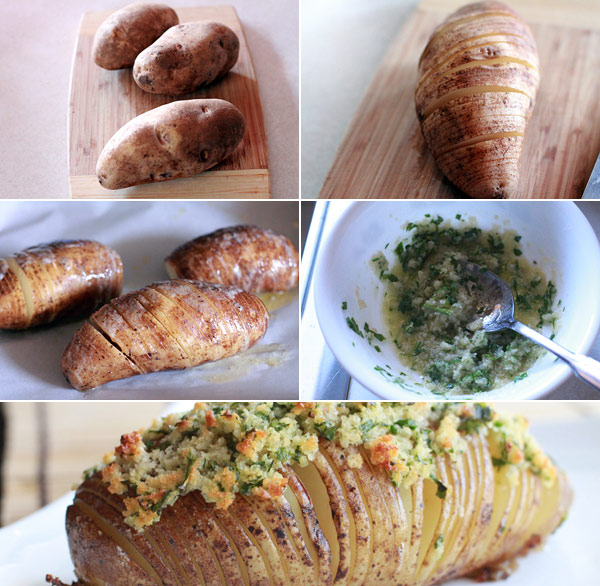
<point>102,101</point>
<point>383,154</point>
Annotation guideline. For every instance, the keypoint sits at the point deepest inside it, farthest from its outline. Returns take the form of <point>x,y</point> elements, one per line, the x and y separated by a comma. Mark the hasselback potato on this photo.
<point>406,494</point>
<point>477,82</point>
<point>48,282</point>
<point>248,257</point>
<point>167,325</point>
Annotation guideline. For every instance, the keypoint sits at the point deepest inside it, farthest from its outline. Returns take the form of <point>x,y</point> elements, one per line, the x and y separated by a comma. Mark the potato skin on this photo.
<point>67,278</point>
<point>165,326</point>
<point>387,544</point>
<point>476,134</point>
<point>127,32</point>
<point>186,57</point>
<point>176,140</point>
<point>248,257</point>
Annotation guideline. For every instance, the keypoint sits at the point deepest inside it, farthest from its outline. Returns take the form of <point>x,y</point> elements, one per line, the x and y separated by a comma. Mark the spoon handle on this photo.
<point>584,367</point>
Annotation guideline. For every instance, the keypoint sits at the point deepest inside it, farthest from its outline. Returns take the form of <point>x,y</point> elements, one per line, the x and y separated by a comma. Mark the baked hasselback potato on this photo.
<point>380,493</point>
<point>165,326</point>
<point>248,257</point>
<point>60,279</point>
<point>478,77</point>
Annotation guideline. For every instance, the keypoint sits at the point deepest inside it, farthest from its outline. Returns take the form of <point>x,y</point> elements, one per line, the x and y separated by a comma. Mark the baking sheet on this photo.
<point>569,557</point>
<point>144,233</point>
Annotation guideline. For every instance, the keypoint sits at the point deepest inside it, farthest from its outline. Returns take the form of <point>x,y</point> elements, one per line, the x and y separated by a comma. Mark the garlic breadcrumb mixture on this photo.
<point>225,449</point>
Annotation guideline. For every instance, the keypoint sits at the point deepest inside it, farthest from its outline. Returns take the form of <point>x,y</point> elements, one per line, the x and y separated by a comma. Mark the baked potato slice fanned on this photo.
<point>355,494</point>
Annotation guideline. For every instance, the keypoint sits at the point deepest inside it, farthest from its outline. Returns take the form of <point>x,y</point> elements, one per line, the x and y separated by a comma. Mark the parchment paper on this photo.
<point>144,233</point>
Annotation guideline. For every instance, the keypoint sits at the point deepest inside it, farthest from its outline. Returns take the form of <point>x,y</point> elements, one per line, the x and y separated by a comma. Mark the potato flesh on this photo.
<point>482,50</point>
<point>194,323</point>
<point>484,519</point>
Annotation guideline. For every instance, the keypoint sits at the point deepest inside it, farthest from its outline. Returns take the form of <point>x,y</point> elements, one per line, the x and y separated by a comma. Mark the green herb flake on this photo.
<point>354,326</point>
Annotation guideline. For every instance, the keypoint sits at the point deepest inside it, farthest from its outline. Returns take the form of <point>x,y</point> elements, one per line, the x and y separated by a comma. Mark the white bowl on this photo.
<point>555,234</point>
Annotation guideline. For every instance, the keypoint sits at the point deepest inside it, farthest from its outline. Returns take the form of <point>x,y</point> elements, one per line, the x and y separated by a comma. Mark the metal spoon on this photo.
<point>495,305</point>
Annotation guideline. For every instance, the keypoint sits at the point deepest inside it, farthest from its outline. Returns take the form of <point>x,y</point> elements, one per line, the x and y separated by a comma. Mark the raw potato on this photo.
<point>478,78</point>
<point>127,32</point>
<point>167,325</point>
<point>176,140</point>
<point>334,525</point>
<point>248,257</point>
<point>186,58</point>
<point>48,282</point>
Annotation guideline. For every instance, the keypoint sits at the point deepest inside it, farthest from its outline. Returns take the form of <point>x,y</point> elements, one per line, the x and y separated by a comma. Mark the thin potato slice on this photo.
<point>340,521</point>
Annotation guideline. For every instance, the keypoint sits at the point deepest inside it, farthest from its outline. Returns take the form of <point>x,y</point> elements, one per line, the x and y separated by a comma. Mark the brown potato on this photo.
<point>478,78</point>
<point>48,282</point>
<point>167,325</point>
<point>127,32</point>
<point>186,57</point>
<point>334,524</point>
<point>248,257</point>
<point>175,140</point>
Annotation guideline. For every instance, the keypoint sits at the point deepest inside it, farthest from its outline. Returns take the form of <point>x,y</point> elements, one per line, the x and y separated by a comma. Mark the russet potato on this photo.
<point>334,524</point>
<point>48,282</point>
<point>176,140</point>
<point>248,257</point>
<point>127,32</point>
<point>478,78</point>
<point>167,325</point>
<point>186,57</point>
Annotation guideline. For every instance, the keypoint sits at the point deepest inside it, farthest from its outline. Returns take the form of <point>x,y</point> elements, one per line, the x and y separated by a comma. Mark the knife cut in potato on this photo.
<point>316,494</point>
<point>248,257</point>
<point>165,326</point>
<point>61,279</point>
<point>478,78</point>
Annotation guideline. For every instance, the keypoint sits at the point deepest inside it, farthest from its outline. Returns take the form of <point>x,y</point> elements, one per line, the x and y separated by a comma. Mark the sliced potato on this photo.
<point>478,78</point>
<point>251,258</point>
<point>61,279</point>
<point>335,524</point>
<point>200,322</point>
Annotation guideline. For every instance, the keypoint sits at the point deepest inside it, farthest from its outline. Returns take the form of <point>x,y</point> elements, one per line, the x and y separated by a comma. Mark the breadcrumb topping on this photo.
<point>225,449</point>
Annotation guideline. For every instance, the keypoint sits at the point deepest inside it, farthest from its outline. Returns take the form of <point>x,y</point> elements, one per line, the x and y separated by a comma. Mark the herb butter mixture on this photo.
<point>226,449</point>
<point>427,306</point>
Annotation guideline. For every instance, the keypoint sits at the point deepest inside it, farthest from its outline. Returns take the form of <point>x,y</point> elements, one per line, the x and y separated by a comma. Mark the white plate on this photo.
<point>36,545</point>
<point>555,234</point>
<point>144,233</point>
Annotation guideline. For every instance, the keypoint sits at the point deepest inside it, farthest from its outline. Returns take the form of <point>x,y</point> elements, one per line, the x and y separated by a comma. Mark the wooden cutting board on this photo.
<point>102,101</point>
<point>383,154</point>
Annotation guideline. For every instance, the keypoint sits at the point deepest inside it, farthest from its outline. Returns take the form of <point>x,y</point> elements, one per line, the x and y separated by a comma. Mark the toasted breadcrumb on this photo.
<point>226,449</point>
